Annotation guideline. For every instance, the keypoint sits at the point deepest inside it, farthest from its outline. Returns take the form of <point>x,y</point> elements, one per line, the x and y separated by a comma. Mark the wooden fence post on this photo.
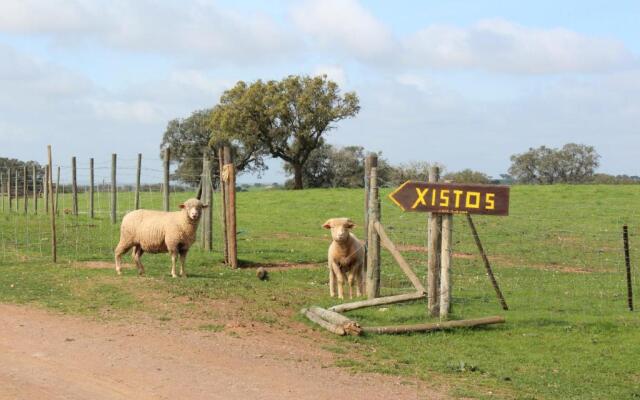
<point>25,195</point>
<point>9,189</point>
<point>229,170</point>
<point>34,187</point>
<point>373,239</point>
<point>223,191</point>
<point>369,161</point>
<point>74,187</point>
<point>53,214</point>
<point>138,174</point>
<point>205,183</point>
<point>627,263</point>
<point>114,188</point>
<point>433,252</point>
<point>165,189</point>
<point>446,259</point>
<point>92,185</point>
<point>2,190</point>
<point>45,188</point>
<point>57,209</point>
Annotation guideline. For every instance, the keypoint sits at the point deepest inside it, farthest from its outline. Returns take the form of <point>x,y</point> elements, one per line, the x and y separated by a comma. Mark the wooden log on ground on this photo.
<point>377,302</point>
<point>333,328</point>
<point>437,326</point>
<point>388,244</point>
<point>350,327</point>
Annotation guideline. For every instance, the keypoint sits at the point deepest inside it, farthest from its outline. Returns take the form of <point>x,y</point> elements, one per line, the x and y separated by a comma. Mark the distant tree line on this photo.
<point>18,165</point>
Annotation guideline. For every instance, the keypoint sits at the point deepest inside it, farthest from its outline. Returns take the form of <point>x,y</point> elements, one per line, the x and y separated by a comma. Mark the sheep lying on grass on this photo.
<point>159,232</point>
<point>346,256</point>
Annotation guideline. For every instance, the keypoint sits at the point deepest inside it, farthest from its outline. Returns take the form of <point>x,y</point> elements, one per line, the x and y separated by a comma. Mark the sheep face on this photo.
<point>340,228</point>
<point>193,208</point>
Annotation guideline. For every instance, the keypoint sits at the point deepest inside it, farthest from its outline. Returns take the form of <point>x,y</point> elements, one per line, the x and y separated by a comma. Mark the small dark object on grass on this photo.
<point>261,273</point>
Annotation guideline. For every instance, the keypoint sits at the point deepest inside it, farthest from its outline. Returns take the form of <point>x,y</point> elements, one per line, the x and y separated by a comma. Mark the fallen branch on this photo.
<point>350,327</point>
<point>376,302</point>
<point>433,326</point>
<point>333,328</point>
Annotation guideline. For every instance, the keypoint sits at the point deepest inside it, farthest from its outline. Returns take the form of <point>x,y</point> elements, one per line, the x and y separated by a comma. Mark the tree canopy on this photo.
<point>288,119</point>
<point>189,139</point>
<point>573,163</point>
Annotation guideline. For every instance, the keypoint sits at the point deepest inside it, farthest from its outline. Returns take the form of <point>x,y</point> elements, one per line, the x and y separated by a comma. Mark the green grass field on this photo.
<point>558,258</point>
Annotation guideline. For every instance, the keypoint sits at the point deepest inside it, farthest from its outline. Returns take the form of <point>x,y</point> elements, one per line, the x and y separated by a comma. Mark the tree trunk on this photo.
<point>297,171</point>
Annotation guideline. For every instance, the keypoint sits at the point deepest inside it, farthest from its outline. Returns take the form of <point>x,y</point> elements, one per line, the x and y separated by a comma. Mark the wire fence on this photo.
<point>558,241</point>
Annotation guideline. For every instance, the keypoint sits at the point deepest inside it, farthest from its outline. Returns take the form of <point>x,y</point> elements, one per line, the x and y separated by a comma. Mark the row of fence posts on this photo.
<point>205,193</point>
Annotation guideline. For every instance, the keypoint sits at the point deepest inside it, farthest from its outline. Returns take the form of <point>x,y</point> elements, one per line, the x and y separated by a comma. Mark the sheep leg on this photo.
<point>121,249</point>
<point>360,282</point>
<point>173,264</point>
<point>137,254</point>
<point>332,281</point>
<point>350,277</point>
<point>340,279</point>
<point>183,259</point>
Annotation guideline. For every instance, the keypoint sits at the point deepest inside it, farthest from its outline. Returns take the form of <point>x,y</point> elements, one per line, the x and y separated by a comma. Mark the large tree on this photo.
<point>573,163</point>
<point>189,139</point>
<point>288,118</point>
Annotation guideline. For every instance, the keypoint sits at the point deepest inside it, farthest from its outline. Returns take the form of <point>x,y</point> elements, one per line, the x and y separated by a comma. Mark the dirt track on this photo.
<point>50,356</point>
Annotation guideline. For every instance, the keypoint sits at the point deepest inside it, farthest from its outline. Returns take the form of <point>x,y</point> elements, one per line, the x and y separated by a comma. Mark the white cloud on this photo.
<point>209,34</point>
<point>344,25</point>
<point>502,46</point>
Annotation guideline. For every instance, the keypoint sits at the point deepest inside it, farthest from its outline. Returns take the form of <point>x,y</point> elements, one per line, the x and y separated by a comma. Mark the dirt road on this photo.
<point>50,356</point>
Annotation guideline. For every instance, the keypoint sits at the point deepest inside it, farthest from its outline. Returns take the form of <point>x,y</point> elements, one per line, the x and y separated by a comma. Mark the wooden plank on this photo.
<point>92,189</point>
<point>54,242</point>
<point>388,244</point>
<point>437,326</point>
<point>114,188</point>
<point>165,187</point>
<point>377,302</point>
<point>74,187</point>
<point>138,175</point>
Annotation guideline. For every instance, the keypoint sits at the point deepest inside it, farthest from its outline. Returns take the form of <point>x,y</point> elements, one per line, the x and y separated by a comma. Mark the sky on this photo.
<point>463,83</point>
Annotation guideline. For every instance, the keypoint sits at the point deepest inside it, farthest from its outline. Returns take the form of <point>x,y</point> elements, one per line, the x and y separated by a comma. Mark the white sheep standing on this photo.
<point>346,256</point>
<point>159,232</point>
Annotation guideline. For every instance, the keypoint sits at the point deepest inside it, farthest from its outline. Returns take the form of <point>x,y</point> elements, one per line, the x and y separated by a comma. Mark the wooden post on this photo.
<point>369,161</point>
<point>205,195</point>
<point>25,188</point>
<point>433,253</point>
<point>627,261</point>
<point>165,189</point>
<point>54,242</point>
<point>15,189</point>
<point>45,188</point>
<point>114,188</point>
<point>2,191</point>
<point>373,239</point>
<point>446,259</point>
<point>223,191</point>
<point>487,265</point>
<point>138,174</point>
<point>91,189</point>
<point>74,187</point>
<point>34,187</point>
<point>57,209</point>
<point>9,189</point>
<point>229,170</point>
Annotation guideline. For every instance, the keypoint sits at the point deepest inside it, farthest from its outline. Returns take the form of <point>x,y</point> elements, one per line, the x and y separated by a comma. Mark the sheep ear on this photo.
<point>181,206</point>
<point>327,225</point>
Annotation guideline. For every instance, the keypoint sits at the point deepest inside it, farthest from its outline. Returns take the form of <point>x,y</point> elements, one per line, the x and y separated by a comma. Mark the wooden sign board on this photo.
<point>452,198</point>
